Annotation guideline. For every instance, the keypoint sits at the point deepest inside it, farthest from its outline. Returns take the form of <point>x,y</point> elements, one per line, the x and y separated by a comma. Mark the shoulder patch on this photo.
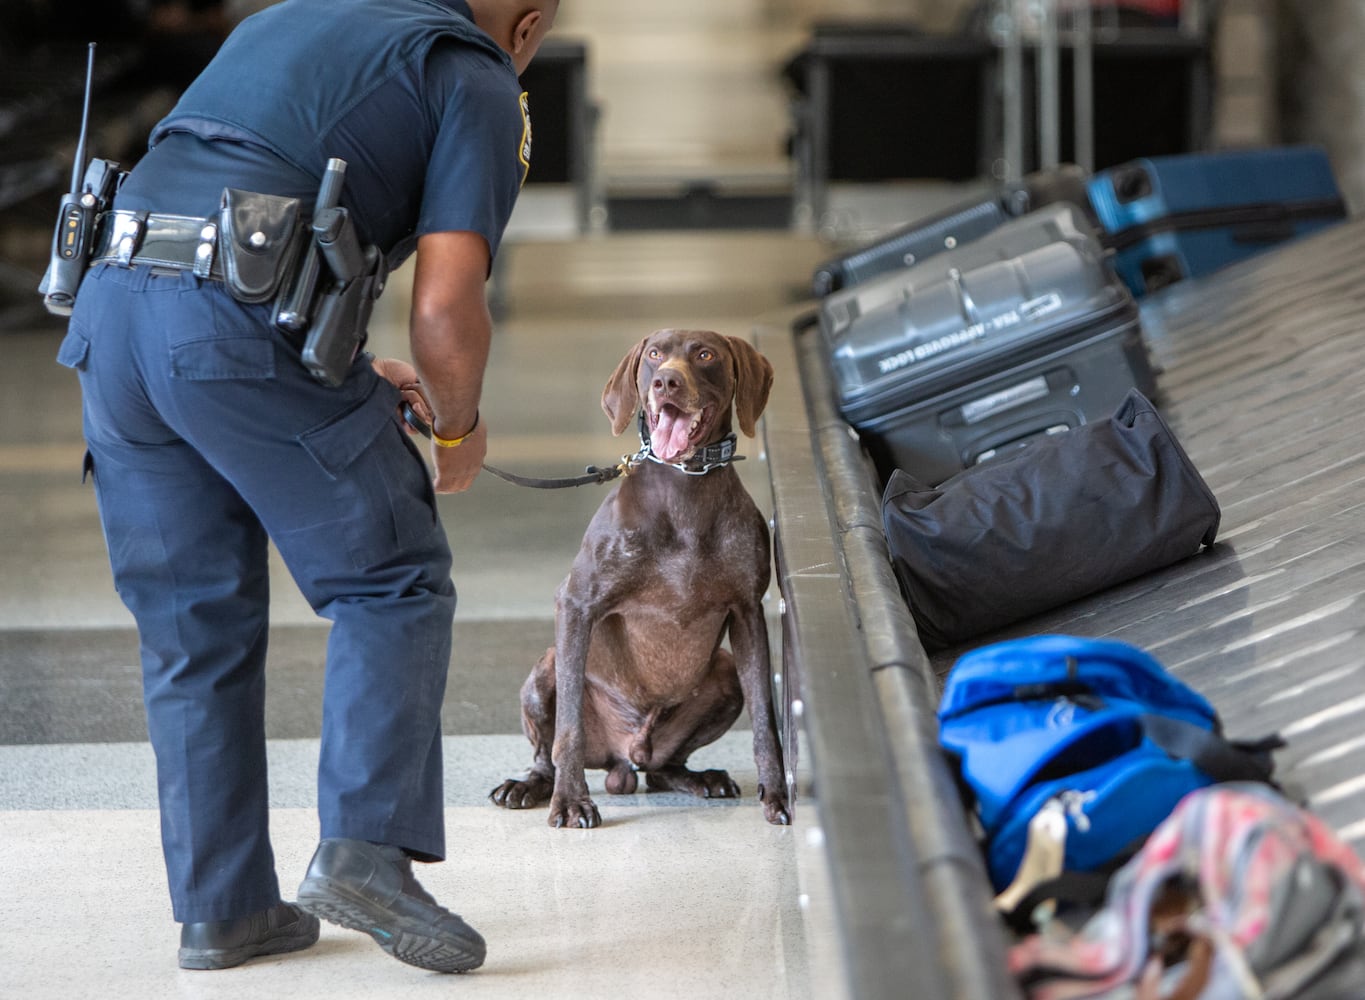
<point>524,152</point>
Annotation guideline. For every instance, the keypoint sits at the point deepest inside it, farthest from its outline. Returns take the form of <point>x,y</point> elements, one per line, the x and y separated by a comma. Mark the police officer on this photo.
<point>207,437</point>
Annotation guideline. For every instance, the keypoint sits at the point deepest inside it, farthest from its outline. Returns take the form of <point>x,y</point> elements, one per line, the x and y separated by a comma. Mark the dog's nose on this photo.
<point>673,378</point>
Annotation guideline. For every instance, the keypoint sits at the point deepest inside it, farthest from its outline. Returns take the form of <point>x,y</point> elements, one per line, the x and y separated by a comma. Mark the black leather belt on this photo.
<point>176,242</point>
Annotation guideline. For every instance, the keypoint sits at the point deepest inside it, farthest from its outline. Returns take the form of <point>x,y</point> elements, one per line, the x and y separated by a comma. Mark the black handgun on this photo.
<point>80,210</point>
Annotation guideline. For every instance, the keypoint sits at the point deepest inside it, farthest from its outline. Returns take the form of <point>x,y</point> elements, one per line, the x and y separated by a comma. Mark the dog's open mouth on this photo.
<point>674,434</point>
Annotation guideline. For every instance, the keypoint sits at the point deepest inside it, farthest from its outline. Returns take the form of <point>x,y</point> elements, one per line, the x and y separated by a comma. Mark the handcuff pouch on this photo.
<point>259,238</point>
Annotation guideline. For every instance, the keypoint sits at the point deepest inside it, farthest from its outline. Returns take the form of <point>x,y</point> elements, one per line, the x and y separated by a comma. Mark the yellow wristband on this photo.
<point>454,442</point>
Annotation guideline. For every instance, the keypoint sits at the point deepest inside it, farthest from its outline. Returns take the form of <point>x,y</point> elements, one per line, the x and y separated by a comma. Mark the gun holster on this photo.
<point>341,319</point>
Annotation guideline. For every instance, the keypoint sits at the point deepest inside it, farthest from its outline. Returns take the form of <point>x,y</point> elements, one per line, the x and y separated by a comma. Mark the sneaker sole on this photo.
<point>400,938</point>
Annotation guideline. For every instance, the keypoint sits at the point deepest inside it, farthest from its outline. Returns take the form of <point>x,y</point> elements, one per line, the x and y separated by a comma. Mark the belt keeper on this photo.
<point>203,253</point>
<point>131,228</point>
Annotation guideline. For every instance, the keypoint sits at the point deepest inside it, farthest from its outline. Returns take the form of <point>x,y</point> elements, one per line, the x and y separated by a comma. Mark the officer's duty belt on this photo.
<point>177,242</point>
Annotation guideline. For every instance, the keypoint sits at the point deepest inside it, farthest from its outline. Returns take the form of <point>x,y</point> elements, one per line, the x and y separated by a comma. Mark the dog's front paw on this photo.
<point>775,808</point>
<point>573,811</point>
<point>522,793</point>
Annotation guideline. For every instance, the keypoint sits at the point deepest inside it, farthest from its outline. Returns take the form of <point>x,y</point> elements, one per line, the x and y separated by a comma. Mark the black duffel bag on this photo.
<point>1062,518</point>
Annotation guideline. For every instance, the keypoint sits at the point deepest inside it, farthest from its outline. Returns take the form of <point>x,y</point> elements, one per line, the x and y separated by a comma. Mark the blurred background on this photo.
<point>744,113</point>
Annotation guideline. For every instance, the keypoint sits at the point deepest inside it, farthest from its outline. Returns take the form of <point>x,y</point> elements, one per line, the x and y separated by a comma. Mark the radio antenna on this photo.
<point>78,165</point>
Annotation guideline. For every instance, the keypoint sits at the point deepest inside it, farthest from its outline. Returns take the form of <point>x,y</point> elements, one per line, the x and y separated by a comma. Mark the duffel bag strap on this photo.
<point>1221,759</point>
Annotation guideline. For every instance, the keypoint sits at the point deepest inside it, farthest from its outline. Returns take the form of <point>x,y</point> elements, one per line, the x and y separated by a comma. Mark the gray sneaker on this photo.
<point>370,888</point>
<point>222,944</point>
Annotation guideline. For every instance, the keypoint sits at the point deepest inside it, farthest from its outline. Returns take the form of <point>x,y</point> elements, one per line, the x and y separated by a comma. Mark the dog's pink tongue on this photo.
<point>669,439</point>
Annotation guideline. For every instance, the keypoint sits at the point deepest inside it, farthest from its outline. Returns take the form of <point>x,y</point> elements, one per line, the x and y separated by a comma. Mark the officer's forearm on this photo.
<point>450,353</point>
<point>451,328</point>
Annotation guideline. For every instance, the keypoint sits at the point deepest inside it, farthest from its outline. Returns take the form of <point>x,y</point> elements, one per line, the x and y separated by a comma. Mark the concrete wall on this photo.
<point>932,15</point>
<point>1322,76</point>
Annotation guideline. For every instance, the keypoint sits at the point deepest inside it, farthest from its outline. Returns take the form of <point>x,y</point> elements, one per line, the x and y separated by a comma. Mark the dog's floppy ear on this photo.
<point>621,397</point>
<point>753,382</point>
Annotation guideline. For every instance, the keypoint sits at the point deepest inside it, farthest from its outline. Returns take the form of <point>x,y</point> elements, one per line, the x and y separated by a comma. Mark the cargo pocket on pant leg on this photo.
<point>75,349</point>
<point>392,513</point>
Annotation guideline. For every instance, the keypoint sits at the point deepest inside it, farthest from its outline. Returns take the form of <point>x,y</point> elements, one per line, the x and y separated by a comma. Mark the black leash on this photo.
<point>713,456</point>
<point>592,476</point>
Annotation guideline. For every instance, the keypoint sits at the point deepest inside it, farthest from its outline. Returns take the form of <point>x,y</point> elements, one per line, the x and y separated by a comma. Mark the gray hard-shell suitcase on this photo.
<point>977,351</point>
<point>953,227</point>
<point>1060,221</point>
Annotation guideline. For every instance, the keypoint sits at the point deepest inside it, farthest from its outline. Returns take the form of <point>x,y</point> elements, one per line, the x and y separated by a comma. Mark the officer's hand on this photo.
<point>456,468</point>
<point>400,373</point>
<point>404,376</point>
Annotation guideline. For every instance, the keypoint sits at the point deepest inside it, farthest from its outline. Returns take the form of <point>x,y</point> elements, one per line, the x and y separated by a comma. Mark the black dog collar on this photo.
<point>715,455</point>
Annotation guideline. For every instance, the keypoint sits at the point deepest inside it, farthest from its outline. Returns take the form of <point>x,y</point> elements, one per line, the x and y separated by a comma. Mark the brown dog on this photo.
<point>676,557</point>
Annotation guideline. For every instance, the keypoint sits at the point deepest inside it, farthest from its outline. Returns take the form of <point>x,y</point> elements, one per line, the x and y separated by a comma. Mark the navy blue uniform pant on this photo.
<point>208,438</point>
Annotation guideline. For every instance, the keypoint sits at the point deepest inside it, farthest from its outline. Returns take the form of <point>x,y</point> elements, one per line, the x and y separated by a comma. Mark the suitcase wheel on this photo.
<point>1158,272</point>
<point>1132,183</point>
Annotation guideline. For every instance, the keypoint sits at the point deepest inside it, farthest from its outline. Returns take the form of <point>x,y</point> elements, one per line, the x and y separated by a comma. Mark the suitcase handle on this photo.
<point>1017,437</point>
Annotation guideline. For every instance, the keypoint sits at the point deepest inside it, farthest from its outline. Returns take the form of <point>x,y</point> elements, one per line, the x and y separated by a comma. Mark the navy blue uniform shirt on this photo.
<point>442,145</point>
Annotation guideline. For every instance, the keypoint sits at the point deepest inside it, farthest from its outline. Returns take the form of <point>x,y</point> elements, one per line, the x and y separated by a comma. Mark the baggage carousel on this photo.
<point>1259,376</point>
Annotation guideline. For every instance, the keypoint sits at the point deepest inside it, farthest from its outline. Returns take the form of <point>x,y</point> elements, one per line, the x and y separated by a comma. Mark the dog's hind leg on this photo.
<point>538,722</point>
<point>713,783</point>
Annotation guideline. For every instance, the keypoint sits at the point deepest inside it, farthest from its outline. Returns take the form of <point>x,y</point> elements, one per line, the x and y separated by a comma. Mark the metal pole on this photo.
<point>1049,86</point>
<point>1192,17</point>
<point>1083,86</point>
<point>1009,25</point>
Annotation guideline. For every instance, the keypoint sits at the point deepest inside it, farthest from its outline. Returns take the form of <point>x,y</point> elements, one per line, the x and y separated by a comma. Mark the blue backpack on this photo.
<point>1093,730</point>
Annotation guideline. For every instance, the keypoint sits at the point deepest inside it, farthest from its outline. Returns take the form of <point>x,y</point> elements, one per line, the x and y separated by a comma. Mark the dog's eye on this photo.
<point>655,354</point>
<point>705,355</point>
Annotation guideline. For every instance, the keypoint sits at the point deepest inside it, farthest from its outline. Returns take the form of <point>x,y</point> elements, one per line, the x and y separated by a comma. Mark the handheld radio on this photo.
<point>80,210</point>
